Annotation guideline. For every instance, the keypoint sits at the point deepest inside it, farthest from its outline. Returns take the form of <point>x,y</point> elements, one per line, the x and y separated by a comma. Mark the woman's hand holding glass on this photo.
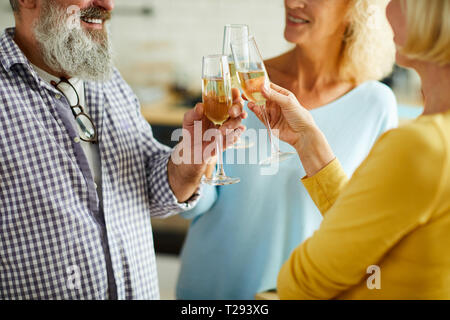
<point>295,125</point>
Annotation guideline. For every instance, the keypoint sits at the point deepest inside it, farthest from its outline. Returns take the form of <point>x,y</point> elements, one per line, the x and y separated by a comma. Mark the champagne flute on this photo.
<point>217,100</point>
<point>252,75</point>
<point>235,32</point>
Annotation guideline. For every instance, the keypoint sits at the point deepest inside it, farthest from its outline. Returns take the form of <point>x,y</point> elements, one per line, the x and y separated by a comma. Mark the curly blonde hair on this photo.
<point>369,49</point>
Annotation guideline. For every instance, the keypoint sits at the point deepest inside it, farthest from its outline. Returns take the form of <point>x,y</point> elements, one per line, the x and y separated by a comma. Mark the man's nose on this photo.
<point>108,5</point>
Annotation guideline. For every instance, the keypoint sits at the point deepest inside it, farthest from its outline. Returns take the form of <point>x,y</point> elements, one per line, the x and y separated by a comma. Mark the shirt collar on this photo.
<point>45,75</point>
<point>10,55</point>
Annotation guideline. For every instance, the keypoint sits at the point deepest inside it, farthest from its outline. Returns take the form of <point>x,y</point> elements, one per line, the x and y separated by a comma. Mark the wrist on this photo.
<point>307,138</point>
<point>184,180</point>
<point>186,173</point>
<point>314,151</point>
<point>185,166</point>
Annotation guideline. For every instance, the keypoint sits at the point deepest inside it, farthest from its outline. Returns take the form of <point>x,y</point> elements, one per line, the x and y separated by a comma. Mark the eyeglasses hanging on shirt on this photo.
<point>86,127</point>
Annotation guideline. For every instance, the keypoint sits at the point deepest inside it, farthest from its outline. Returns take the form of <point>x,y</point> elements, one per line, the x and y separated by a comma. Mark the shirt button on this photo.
<point>57,96</point>
<point>76,139</point>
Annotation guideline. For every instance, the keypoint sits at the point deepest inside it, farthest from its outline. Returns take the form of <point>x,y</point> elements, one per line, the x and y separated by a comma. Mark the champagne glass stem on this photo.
<point>273,148</point>
<point>220,171</point>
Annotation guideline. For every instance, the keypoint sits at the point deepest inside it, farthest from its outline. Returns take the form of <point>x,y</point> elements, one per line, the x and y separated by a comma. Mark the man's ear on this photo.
<point>28,4</point>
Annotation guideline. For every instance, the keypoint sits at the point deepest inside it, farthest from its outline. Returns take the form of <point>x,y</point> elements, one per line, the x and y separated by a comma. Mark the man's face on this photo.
<point>73,37</point>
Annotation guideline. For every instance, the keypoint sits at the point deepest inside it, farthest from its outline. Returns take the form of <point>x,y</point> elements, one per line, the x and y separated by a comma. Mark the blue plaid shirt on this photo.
<point>55,240</point>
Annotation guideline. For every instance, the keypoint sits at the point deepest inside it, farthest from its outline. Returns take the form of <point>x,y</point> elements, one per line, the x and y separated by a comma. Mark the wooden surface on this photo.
<point>166,112</point>
<point>268,295</point>
<point>175,223</point>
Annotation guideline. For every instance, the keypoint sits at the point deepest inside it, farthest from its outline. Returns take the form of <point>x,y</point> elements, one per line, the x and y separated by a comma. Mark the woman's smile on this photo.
<point>292,20</point>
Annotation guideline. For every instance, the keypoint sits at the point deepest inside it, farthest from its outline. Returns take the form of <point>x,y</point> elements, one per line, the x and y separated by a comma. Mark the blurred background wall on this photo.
<point>161,42</point>
<point>170,42</point>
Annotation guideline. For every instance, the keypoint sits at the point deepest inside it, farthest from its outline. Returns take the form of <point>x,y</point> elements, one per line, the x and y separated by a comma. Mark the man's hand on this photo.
<point>184,178</point>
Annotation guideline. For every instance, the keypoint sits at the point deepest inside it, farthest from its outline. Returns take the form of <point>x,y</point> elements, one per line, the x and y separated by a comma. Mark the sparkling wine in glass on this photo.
<point>252,76</point>
<point>235,32</point>
<point>217,100</point>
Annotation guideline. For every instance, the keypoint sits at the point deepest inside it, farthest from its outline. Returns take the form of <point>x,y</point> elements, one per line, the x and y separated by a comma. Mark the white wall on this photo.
<point>6,18</point>
<point>168,45</point>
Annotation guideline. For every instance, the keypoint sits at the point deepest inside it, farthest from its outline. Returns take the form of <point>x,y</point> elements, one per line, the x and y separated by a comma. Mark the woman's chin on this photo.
<point>293,37</point>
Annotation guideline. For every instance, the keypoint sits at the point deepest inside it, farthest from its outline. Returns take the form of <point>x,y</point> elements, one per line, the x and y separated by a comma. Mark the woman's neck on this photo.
<point>435,87</point>
<point>311,72</point>
<point>317,65</point>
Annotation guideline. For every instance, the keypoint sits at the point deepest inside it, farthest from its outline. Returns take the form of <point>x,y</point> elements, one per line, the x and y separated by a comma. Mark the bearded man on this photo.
<point>80,171</point>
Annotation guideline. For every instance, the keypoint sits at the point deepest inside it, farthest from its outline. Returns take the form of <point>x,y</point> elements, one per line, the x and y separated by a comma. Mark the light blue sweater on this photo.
<point>241,234</point>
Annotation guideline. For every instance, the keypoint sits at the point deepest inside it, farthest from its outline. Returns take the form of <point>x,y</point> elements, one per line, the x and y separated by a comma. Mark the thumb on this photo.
<point>194,114</point>
<point>198,111</point>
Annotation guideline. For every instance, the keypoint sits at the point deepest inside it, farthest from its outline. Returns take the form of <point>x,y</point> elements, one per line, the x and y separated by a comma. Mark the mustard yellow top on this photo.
<point>393,213</point>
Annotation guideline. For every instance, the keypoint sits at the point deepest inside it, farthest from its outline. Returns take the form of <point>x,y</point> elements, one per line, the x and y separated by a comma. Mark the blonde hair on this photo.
<point>428,34</point>
<point>369,49</point>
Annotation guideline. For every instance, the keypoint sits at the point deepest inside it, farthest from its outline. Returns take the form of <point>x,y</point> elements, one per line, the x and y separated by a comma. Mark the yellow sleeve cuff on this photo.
<point>325,186</point>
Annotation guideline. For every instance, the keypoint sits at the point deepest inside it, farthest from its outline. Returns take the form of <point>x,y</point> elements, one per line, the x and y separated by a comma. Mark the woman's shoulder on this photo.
<point>376,91</point>
<point>411,160</point>
<point>421,141</point>
<point>376,98</point>
<point>432,128</point>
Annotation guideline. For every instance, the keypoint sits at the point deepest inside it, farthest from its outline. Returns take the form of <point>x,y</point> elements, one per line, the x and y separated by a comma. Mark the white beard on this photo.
<point>72,51</point>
